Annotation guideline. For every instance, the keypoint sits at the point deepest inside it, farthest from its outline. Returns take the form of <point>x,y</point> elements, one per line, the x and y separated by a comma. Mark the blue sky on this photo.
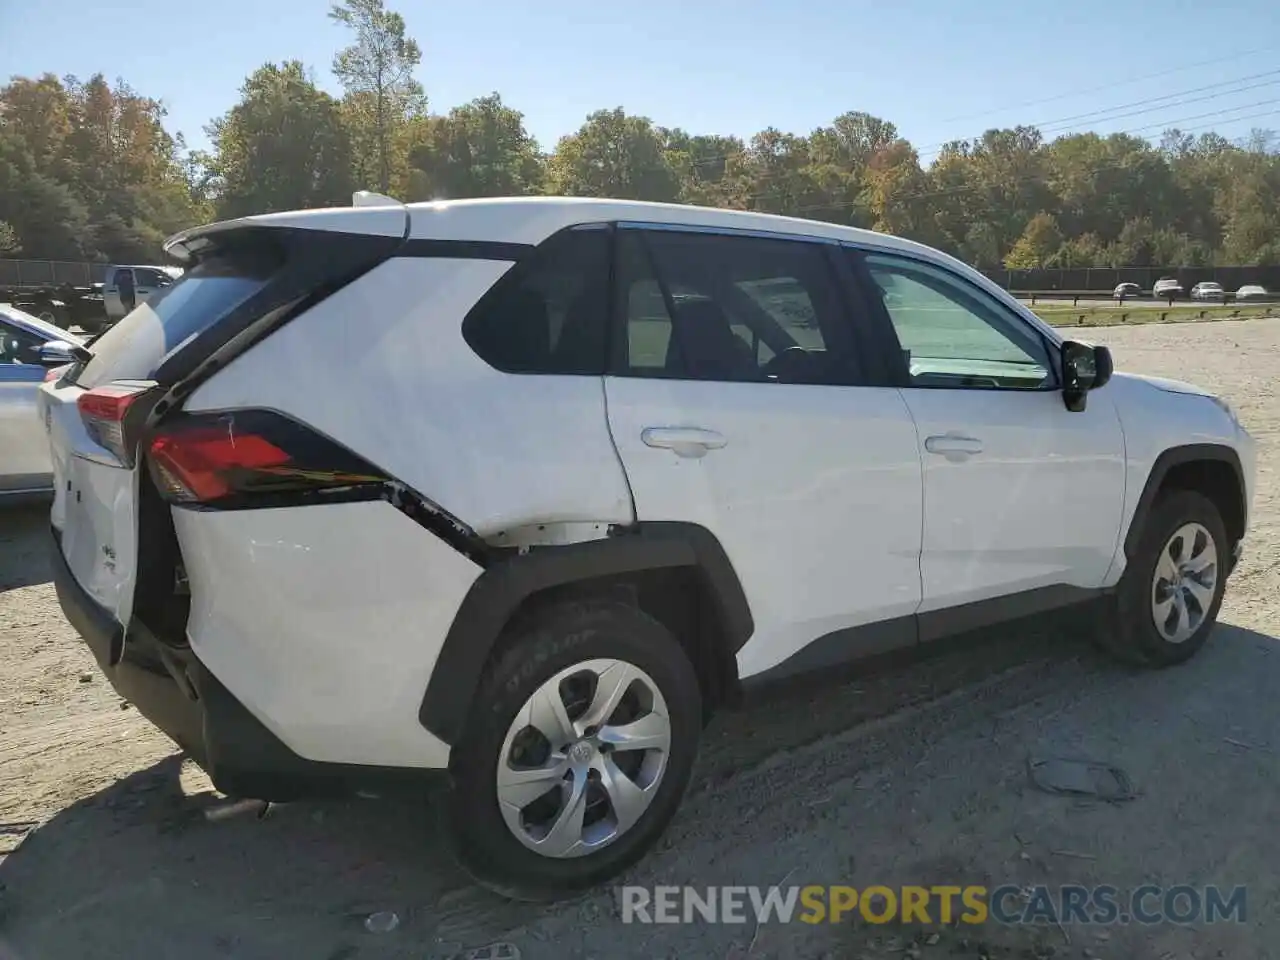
<point>939,70</point>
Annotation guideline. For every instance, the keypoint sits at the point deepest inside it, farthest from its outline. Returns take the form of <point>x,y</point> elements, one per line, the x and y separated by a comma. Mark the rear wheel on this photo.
<point>1169,596</point>
<point>577,752</point>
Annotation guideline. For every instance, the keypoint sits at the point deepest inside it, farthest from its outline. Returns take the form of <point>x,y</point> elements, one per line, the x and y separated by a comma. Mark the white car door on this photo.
<point>24,448</point>
<point>1022,497</point>
<point>735,403</point>
<point>111,303</point>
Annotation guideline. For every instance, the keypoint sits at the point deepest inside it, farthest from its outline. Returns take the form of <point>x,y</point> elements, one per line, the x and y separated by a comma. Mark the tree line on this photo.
<point>88,170</point>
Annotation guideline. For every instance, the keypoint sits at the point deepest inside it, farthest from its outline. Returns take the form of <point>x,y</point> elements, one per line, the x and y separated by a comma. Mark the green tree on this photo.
<point>480,149</point>
<point>377,73</point>
<point>700,162</point>
<point>282,147</point>
<point>613,155</point>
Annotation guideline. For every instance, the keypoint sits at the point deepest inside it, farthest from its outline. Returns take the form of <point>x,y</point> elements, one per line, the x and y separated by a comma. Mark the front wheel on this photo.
<point>1169,596</point>
<point>577,751</point>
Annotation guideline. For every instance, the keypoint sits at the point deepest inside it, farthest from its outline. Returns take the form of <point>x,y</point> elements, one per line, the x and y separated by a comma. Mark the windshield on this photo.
<point>136,346</point>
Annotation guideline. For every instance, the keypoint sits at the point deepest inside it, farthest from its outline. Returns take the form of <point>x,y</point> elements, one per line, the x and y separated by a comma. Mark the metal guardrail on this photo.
<point>1102,296</point>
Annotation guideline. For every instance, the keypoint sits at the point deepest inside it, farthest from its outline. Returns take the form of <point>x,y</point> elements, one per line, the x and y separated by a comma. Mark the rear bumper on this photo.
<point>175,691</point>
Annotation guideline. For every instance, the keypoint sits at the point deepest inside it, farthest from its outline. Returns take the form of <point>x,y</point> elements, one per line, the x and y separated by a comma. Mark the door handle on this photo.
<point>683,441</point>
<point>953,445</point>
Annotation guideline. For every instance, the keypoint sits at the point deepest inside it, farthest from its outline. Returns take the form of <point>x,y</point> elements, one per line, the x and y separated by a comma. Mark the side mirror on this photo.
<point>55,353</point>
<point>1084,368</point>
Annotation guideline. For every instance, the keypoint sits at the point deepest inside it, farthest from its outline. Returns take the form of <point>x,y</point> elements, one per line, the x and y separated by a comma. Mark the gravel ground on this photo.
<point>911,773</point>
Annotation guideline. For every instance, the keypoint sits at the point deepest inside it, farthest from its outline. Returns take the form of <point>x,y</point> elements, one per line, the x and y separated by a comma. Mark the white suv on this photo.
<point>523,490</point>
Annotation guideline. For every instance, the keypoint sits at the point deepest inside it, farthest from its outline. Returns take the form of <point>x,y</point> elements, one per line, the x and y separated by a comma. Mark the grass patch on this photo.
<point>1114,315</point>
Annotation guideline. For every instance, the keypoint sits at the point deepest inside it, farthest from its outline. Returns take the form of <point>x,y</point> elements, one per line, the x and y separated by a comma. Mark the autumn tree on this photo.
<point>1037,245</point>
<point>377,74</point>
<point>87,169</point>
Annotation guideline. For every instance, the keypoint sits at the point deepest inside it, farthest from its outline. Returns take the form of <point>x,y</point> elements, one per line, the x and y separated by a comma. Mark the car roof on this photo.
<point>530,220</point>
<point>40,328</point>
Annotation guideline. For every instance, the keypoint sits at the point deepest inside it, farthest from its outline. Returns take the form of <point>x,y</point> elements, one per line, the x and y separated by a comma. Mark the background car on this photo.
<point>1166,288</point>
<point>1126,290</point>
<point>1252,291</point>
<point>1208,290</point>
<point>29,347</point>
<point>124,287</point>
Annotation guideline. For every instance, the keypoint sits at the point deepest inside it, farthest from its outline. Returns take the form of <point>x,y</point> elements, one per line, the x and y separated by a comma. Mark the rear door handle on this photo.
<point>683,441</point>
<point>953,445</point>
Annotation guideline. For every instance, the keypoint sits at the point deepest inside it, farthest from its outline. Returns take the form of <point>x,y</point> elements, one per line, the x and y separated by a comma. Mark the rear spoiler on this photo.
<point>370,214</point>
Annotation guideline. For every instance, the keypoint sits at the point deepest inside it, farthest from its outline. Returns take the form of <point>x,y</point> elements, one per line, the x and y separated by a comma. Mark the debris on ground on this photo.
<point>384,921</point>
<point>1081,778</point>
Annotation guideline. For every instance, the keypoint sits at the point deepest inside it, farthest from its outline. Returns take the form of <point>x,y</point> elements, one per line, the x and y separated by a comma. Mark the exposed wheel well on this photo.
<point>1216,480</point>
<point>678,598</point>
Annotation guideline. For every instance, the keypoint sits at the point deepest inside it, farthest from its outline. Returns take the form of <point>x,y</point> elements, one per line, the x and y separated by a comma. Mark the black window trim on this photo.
<point>862,373</point>
<point>891,346</point>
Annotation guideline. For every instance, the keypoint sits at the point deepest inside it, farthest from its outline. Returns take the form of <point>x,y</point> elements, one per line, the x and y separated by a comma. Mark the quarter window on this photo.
<point>952,334</point>
<point>549,314</point>
<point>699,306</point>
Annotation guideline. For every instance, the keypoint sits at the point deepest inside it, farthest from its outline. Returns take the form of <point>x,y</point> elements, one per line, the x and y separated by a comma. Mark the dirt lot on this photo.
<point>912,774</point>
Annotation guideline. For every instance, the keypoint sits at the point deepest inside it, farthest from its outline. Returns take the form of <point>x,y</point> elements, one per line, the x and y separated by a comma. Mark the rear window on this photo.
<point>136,346</point>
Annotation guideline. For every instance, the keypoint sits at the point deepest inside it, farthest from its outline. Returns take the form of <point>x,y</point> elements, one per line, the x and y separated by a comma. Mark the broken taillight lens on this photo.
<point>250,458</point>
<point>105,412</point>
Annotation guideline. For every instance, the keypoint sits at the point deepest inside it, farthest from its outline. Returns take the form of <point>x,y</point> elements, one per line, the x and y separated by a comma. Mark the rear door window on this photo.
<point>700,306</point>
<point>135,347</point>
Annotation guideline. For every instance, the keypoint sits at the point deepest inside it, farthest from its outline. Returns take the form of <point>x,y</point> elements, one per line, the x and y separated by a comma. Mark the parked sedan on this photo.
<point>1252,291</point>
<point>1166,288</point>
<point>1208,290</point>
<point>1126,291</point>
<point>29,347</point>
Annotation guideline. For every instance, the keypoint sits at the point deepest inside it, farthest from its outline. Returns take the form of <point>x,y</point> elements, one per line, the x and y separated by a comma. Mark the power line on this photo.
<point>1166,124</point>
<point>1171,96</point>
<point>1108,86</point>
<point>931,149</point>
<point>1066,122</point>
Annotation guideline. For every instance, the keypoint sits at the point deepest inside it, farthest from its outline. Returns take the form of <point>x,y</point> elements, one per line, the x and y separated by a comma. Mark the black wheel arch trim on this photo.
<point>498,592</point>
<point>1174,457</point>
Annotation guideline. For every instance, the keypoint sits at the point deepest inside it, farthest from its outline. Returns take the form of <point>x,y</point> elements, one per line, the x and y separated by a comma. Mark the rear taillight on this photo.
<point>251,457</point>
<point>106,412</point>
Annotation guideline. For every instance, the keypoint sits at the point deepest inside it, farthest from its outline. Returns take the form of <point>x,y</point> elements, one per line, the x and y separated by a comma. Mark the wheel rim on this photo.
<point>1184,583</point>
<point>583,758</point>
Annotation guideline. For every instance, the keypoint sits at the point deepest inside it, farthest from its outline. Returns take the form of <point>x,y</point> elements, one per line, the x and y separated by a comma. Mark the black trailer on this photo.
<point>63,292</point>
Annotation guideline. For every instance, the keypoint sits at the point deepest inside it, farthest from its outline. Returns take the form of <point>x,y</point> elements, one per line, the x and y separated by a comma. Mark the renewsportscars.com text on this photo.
<point>971,904</point>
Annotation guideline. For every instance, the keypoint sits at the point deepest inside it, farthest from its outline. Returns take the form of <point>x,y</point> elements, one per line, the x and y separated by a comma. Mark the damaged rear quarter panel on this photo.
<point>319,621</point>
<point>382,368</point>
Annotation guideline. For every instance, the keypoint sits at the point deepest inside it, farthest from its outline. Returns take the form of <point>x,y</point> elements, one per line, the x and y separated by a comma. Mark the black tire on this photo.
<point>54,313</point>
<point>1134,638</point>
<point>533,651</point>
